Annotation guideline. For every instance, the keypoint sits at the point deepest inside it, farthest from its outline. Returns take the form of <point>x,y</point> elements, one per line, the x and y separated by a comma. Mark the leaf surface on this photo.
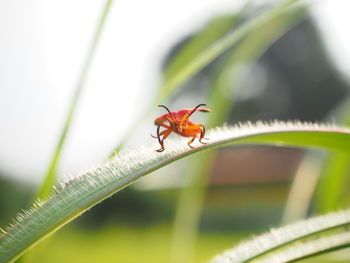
<point>73,197</point>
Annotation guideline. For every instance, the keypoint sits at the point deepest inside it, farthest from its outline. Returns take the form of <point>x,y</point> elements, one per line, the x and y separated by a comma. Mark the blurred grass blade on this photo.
<point>236,67</point>
<point>217,48</point>
<point>284,237</point>
<point>189,209</point>
<point>50,178</point>
<point>333,184</point>
<point>212,31</point>
<point>302,190</point>
<point>334,181</point>
<point>174,80</point>
<point>77,195</point>
<point>243,58</point>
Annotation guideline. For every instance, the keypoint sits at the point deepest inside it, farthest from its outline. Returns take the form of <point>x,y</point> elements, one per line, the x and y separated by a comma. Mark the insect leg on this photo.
<point>162,147</point>
<point>158,135</point>
<point>184,119</point>
<point>187,116</point>
<point>165,134</point>
<point>202,135</point>
<point>162,125</point>
<point>191,141</point>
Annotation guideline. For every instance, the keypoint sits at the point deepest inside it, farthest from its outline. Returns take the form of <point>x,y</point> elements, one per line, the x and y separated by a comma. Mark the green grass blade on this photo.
<point>50,178</point>
<point>283,238</point>
<point>77,195</point>
<point>308,249</point>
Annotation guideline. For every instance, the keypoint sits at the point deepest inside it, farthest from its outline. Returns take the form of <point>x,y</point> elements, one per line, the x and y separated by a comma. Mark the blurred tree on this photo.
<point>294,79</point>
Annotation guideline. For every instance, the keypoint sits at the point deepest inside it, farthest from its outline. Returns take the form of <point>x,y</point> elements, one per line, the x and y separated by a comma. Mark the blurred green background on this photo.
<point>285,71</point>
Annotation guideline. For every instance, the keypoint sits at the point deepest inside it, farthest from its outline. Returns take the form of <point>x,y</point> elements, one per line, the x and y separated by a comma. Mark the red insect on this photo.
<point>179,123</point>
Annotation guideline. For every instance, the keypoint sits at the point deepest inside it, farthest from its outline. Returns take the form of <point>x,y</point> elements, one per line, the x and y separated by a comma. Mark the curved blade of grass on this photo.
<point>50,178</point>
<point>238,64</point>
<point>77,195</point>
<point>252,250</point>
<point>310,248</point>
<point>174,81</point>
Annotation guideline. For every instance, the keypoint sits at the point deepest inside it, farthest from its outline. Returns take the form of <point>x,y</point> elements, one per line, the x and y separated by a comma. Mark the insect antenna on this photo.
<point>196,108</point>
<point>165,107</point>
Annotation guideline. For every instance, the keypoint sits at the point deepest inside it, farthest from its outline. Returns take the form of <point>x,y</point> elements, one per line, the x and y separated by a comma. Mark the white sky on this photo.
<point>42,45</point>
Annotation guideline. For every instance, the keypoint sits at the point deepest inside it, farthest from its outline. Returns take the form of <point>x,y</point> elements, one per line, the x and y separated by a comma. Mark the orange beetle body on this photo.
<point>179,123</point>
